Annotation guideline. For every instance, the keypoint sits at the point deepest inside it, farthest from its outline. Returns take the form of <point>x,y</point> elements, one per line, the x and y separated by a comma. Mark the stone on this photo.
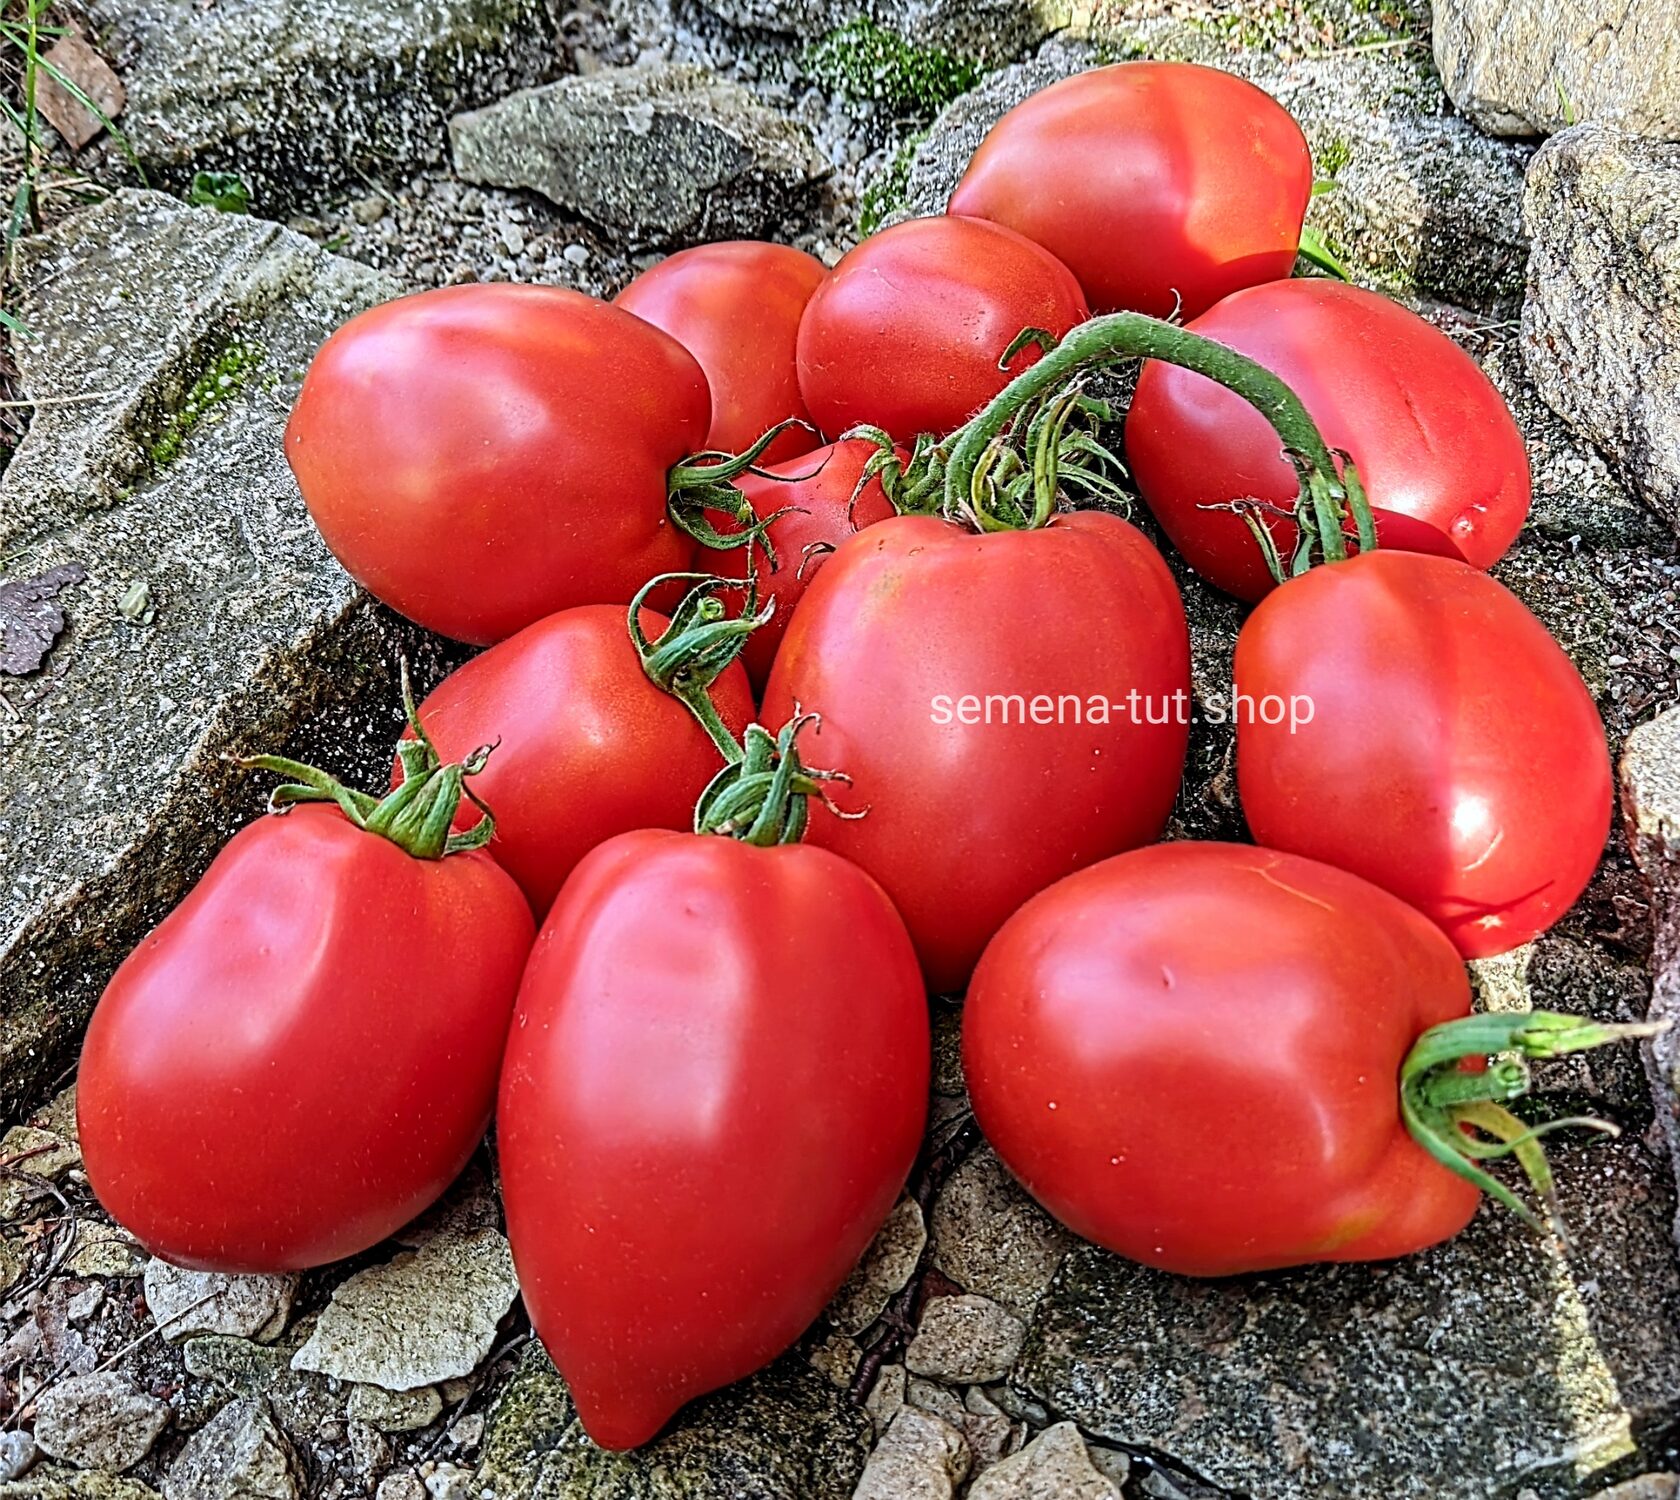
<point>885,1270</point>
<point>922,1457</point>
<point>1645,1487</point>
<point>142,310</point>
<point>1601,326</point>
<point>69,1485</point>
<point>1533,67</point>
<point>992,31</point>
<point>105,1250</point>
<point>185,1303</point>
<point>238,1455</point>
<point>965,1338</point>
<point>886,1396</point>
<point>427,1315</point>
<point>98,1421</point>
<point>296,96</point>
<point>447,1481</point>
<point>991,1432</point>
<point>40,1153</point>
<point>662,155</point>
<point>1054,1466</point>
<point>405,1484</point>
<point>395,1411</point>
<point>991,1238</point>
<point>837,1357</point>
<point>1492,1364</point>
<point>1422,203</point>
<point>17,1452</point>
<point>783,1434</point>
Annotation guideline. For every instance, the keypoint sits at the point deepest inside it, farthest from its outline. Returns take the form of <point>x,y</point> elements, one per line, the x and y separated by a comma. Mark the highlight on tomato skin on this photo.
<point>1443,462</point>
<point>1163,186</point>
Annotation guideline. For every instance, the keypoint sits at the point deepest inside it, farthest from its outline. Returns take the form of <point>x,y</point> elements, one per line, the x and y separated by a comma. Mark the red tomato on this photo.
<point>1442,462</point>
<point>481,456</point>
<point>1453,754</point>
<point>588,746</point>
<point>715,1088</point>
<point>303,1054</point>
<point>1161,185</point>
<point>907,331</point>
<point>816,492</point>
<point>1190,1055</point>
<point>736,307</point>
<point>913,635</point>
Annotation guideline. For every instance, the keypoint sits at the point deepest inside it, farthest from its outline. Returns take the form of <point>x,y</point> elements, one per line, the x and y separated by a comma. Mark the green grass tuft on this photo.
<point>863,60</point>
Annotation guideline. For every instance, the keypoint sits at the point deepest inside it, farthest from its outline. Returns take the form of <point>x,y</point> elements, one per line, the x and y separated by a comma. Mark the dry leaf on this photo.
<point>30,621</point>
<point>85,68</point>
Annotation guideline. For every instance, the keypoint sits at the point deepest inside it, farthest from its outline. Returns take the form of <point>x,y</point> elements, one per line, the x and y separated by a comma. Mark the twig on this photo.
<point>60,400</point>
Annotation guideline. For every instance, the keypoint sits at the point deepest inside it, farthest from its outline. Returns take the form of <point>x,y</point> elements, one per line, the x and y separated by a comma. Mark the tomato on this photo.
<point>1162,186</point>
<point>907,331</point>
<point>478,457</point>
<point>1442,461</point>
<point>815,492</point>
<point>715,1088</point>
<point>588,746</point>
<point>915,633</point>
<point>1188,1054</point>
<point>736,307</point>
<point>1451,753</point>
<point>302,1055</point>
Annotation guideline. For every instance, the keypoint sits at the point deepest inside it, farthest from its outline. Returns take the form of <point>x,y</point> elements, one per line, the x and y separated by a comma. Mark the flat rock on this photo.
<point>395,1411</point>
<point>1601,326</point>
<point>93,1485</point>
<point>885,1270</point>
<point>172,340</point>
<point>300,95</point>
<point>991,1238</point>
<point>426,1315</point>
<point>1645,1487</point>
<point>988,30</point>
<point>784,1434</point>
<point>185,1303</point>
<point>664,154</point>
<point>965,1340</point>
<point>98,1421</point>
<point>1053,1466</point>
<point>240,1454</point>
<point>922,1457</point>
<point>1532,67</point>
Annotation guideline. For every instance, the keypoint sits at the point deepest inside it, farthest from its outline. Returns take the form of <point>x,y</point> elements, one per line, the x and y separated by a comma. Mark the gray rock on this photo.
<point>17,1452</point>
<point>405,1484</point>
<point>784,1434</point>
<point>40,1153</point>
<point>1531,67</point>
<point>885,1270</point>
<point>1422,203</point>
<point>238,1455</point>
<point>447,1481</point>
<point>1054,1466</point>
<point>185,1303</point>
<point>300,95</point>
<point>1601,326</point>
<point>1484,1367</point>
<point>173,339</point>
<point>922,1457</point>
<point>886,1396</point>
<point>991,1238</point>
<point>965,1339</point>
<point>992,31</point>
<point>662,155</point>
<point>426,1315</point>
<point>395,1411</point>
<point>98,1421</point>
<point>838,1357</point>
<point>70,1485</point>
<point>1645,1487</point>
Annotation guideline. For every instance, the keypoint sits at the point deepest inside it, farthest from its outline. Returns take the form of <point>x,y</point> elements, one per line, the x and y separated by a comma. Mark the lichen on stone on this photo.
<point>864,60</point>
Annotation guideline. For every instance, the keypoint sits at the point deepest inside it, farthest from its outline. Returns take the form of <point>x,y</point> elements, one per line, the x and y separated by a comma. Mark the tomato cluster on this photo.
<point>758,507</point>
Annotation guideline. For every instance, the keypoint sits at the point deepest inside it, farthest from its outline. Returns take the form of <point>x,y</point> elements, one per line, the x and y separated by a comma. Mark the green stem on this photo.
<point>764,797</point>
<point>1439,1098</point>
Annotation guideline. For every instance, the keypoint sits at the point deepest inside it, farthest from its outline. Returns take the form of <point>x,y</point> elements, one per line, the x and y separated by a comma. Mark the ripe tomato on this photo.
<point>481,456</point>
<point>907,331</point>
<point>1453,754</point>
<point>303,1054</point>
<point>1442,461</point>
<point>816,493</point>
<point>1189,1055</point>
<point>589,747</point>
<point>1161,185</point>
<point>915,633</point>
<point>736,307</point>
<point>715,1087</point>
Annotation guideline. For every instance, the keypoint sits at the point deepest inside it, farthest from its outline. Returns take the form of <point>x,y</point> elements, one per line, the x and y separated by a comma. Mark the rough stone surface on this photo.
<point>1601,326</point>
<point>185,1303</point>
<point>395,1411</point>
<point>667,154</point>
<point>991,30</point>
<point>884,1271</point>
<point>965,1339</point>
<point>295,95</point>
<point>239,1455</point>
<point>785,1434</point>
<point>92,1485</point>
<point>1054,1466</point>
<point>17,1452</point>
<point>1532,67</point>
<point>991,1238</point>
<point>922,1457</point>
<point>98,1421</point>
<point>258,638</point>
<point>425,1316</point>
<point>1645,1487</point>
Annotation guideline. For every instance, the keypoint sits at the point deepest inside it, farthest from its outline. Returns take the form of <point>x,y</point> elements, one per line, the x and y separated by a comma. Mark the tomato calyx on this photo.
<point>417,814</point>
<point>763,798</point>
<point>704,482</point>
<point>1459,1117</point>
